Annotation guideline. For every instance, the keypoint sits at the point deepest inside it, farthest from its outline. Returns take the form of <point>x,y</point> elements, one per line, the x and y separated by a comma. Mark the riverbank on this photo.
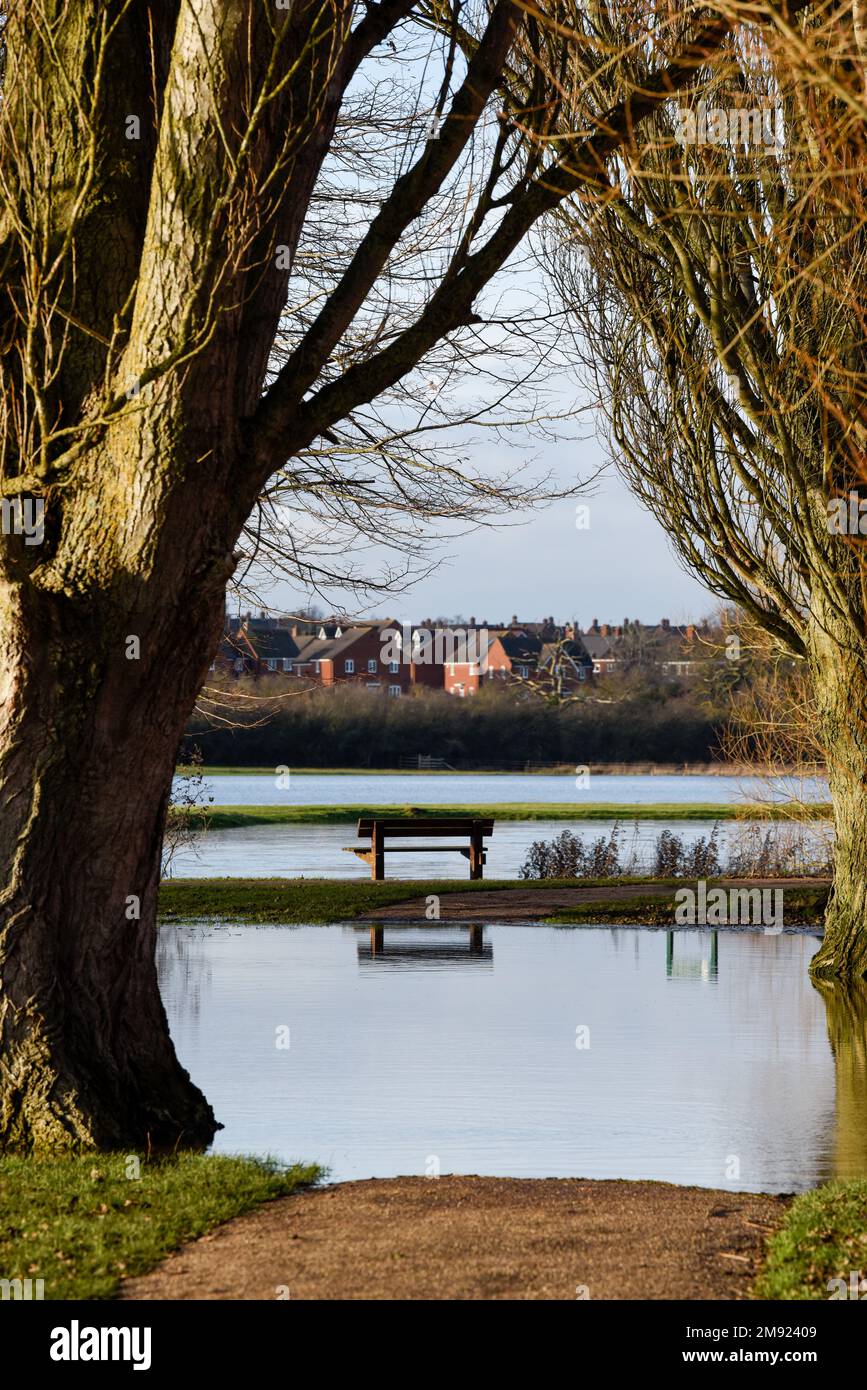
<point>238,817</point>
<point>560,901</point>
<point>90,1227</point>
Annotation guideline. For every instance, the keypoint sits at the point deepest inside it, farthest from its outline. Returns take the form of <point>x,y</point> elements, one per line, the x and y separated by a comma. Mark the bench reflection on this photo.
<point>420,946</point>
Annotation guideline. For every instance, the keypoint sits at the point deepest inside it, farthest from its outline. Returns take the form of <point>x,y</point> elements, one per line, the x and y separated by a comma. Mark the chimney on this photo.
<point>665,624</point>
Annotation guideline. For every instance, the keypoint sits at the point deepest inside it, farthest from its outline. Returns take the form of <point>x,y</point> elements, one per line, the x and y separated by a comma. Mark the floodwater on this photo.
<point>318,851</point>
<point>478,789</point>
<point>691,1056</point>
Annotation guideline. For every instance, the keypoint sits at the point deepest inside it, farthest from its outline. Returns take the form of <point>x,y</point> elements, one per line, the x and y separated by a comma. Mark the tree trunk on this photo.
<point>840,683</point>
<point>91,717</point>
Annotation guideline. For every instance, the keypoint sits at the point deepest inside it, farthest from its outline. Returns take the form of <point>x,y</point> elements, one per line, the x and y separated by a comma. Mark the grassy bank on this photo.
<point>82,1223</point>
<point>235,817</point>
<point>824,1237</point>
<point>312,900</point>
<point>563,769</point>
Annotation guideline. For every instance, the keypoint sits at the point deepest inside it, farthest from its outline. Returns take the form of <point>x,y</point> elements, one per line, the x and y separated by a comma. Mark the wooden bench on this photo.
<point>378,829</point>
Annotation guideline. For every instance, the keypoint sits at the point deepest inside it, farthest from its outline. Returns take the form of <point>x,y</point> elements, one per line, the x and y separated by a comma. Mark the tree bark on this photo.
<point>839,670</point>
<point>91,716</point>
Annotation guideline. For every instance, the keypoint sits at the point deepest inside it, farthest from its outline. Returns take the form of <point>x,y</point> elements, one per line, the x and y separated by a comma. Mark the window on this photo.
<point>371,665</point>
<point>287,664</point>
<point>523,671</point>
<point>316,664</point>
<point>349,666</point>
<point>272,663</point>
<point>394,667</point>
<point>394,690</point>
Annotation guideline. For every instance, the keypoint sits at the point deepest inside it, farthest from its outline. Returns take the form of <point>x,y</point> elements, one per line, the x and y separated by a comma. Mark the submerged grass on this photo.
<point>82,1223</point>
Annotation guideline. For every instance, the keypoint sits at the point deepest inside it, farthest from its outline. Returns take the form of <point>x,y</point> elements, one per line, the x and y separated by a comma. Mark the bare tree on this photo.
<point>194,320</point>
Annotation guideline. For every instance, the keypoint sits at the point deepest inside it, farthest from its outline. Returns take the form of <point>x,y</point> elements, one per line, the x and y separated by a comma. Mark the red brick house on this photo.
<point>356,657</point>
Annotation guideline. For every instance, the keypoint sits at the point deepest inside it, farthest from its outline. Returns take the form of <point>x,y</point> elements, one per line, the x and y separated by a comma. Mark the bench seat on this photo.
<point>378,829</point>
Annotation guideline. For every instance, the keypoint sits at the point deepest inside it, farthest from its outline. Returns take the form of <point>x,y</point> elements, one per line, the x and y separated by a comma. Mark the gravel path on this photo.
<point>479,1238</point>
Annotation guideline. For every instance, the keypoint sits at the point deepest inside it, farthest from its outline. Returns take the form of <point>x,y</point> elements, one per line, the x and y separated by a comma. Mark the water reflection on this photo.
<point>460,1041</point>
<point>411,948</point>
<point>846,1009</point>
<point>702,965</point>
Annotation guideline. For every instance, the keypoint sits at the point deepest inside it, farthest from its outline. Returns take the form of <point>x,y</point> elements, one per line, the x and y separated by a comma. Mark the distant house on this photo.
<point>601,649</point>
<point>671,649</point>
<point>256,647</point>
<point>565,664</point>
<point>488,660</point>
<point>355,656</point>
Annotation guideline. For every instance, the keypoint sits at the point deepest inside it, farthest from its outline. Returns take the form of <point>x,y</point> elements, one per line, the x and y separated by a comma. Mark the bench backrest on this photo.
<point>435,826</point>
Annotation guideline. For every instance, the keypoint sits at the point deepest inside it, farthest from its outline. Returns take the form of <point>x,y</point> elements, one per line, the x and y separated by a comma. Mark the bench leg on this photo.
<point>476,855</point>
<point>377,855</point>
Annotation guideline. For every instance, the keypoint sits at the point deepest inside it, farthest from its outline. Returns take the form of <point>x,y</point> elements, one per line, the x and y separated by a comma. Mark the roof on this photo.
<point>327,648</point>
<point>521,648</point>
<point>573,649</point>
<point>596,646</point>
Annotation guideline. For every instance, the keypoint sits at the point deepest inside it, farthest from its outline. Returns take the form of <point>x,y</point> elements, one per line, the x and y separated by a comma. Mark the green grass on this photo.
<point>824,1237</point>
<point>81,1223</point>
<point>234,817</point>
<point>313,899</point>
<point>213,771</point>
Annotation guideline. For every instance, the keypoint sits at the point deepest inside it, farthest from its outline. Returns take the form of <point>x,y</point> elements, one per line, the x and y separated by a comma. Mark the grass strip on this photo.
<point>237,817</point>
<point>315,900</point>
<point>303,900</point>
<point>80,1223</point>
<point>823,1237</point>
